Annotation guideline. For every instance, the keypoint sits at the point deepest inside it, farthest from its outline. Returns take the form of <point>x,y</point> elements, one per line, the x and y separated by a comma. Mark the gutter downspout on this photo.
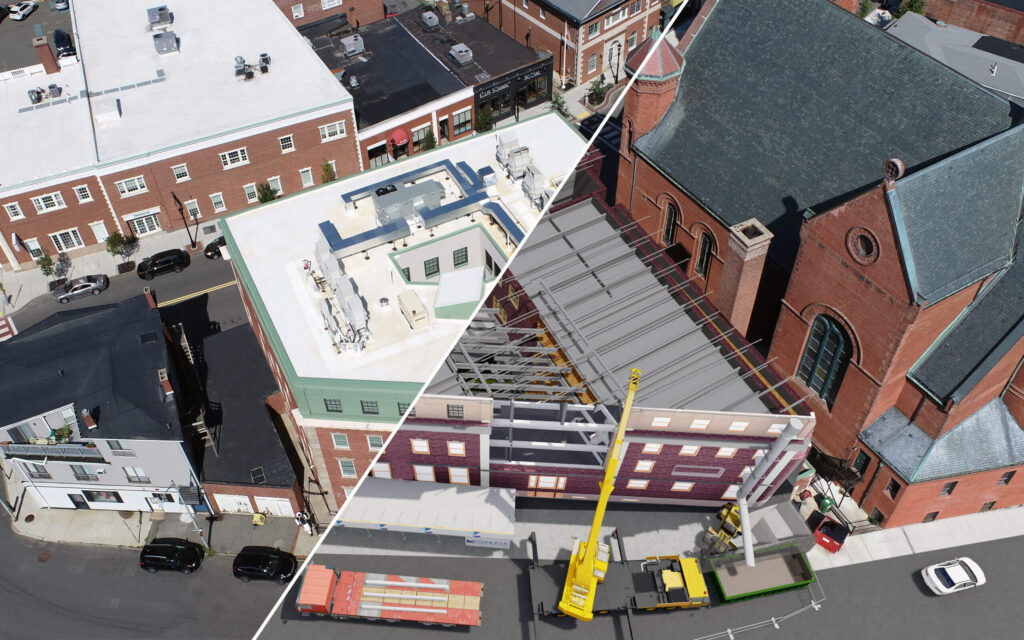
<point>754,477</point>
<point>871,483</point>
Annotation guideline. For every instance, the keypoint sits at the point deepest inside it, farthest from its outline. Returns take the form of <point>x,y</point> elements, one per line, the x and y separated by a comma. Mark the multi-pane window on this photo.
<point>930,517</point>
<point>234,158</point>
<point>637,484</point>
<point>67,239</point>
<point>456,411</point>
<point>547,482</point>
<point>1006,477</point>
<point>592,63</point>
<point>117,448</point>
<point>369,407</point>
<point>217,200</point>
<point>83,473</point>
<point>33,247</point>
<point>382,470</point>
<point>340,440</point>
<point>462,121</point>
<point>423,473</point>
<point>307,177</point>
<point>825,358</point>
<point>418,136</point>
<point>636,7</point>
<point>332,131</point>
<point>725,452</point>
<point>671,224</point>
<point>102,496</point>
<point>250,193</point>
<point>192,207</point>
<point>406,274</point>
<point>48,202</point>
<point>131,186</point>
<point>704,254</point>
<point>144,224</point>
<point>988,506</point>
<point>431,267</point>
<point>420,446</point>
<point>456,448</point>
<point>594,29</point>
<point>644,466</point>
<point>275,185</point>
<point>287,142</point>
<point>682,486</point>
<point>82,193</point>
<point>652,447</point>
<point>37,471</point>
<point>615,17</point>
<point>739,426</point>
<point>403,407</point>
<point>730,492</point>
<point>892,488</point>
<point>689,450</point>
<point>333,405</point>
<point>136,475</point>
<point>163,497</point>
<point>298,12</point>
<point>948,488</point>
<point>458,475</point>
<point>460,257</point>
<point>348,468</point>
<point>180,172</point>
<point>375,443</point>
<point>631,41</point>
<point>543,13</point>
<point>13,210</point>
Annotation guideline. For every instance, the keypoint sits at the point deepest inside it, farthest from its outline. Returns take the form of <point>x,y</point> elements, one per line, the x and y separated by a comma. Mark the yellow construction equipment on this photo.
<point>720,540</point>
<point>589,560</point>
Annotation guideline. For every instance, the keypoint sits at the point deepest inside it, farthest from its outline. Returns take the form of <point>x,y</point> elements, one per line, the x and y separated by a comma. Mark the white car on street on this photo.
<point>952,576</point>
<point>20,10</point>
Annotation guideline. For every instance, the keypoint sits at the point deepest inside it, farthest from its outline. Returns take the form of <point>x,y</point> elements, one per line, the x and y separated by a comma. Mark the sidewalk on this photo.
<point>921,538</point>
<point>23,286</point>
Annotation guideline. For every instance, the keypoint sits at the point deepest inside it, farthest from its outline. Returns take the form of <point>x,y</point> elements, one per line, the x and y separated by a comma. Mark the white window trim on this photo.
<point>199,212</point>
<point>255,194</point>
<point>11,208</point>
<point>543,14</point>
<point>416,472</point>
<point>341,468</point>
<point>425,449</point>
<point>547,483</point>
<point>459,445</point>
<point>307,170</point>
<point>463,473</point>
<point>594,30</point>
<point>174,172</point>
<point>243,155</point>
<point>334,441</point>
<point>726,452</point>
<point>327,136</point>
<point>88,193</point>
<point>636,484</point>
<point>592,63</point>
<point>279,191</point>
<point>378,467</point>
<point>28,242</point>
<point>644,466</point>
<point>223,204</point>
<point>680,485</point>
<point>371,447</point>
<point>730,493</point>
<point>689,450</point>
<point>55,234</point>
<point>298,11</point>
<point>291,141</point>
<point>55,196</point>
<point>122,186</point>
<point>652,448</point>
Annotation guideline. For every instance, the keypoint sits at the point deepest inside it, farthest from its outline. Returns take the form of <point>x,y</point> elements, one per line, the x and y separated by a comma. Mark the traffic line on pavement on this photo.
<point>195,294</point>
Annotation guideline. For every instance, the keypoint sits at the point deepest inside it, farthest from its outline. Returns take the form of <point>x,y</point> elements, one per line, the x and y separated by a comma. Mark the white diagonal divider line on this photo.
<point>526,239</point>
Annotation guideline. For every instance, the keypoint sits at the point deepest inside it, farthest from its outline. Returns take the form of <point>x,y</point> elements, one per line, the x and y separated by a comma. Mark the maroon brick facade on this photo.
<point>206,176</point>
<point>358,12</point>
<point>401,458</point>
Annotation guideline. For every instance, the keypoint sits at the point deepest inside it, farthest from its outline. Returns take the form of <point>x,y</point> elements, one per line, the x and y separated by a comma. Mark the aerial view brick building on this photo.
<point>886,300</point>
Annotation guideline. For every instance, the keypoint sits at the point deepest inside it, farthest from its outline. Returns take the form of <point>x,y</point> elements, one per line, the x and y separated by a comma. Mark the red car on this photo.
<point>830,534</point>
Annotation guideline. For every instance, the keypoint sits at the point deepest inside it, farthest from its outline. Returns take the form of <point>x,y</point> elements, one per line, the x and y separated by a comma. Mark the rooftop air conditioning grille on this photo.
<point>165,42</point>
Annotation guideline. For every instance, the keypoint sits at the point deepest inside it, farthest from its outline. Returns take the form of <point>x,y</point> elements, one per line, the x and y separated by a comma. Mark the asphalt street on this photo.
<point>201,275</point>
<point>879,600</point>
<point>84,592</point>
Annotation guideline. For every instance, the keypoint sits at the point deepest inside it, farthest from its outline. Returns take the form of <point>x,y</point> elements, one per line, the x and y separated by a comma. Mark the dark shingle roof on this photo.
<point>792,104</point>
<point>97,359</point>
<point>238,381</point>
<point>978,339</point>
<point>577,9</point>
<point>990,436</point>
<point>972,198</point>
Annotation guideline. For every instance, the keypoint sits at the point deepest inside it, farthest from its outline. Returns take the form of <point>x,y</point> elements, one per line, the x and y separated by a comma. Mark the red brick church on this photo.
<point>854,206</point>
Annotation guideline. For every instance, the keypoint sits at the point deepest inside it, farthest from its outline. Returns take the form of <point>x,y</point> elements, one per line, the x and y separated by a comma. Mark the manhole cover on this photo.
<point>44,556</point>
<point>30,517</point>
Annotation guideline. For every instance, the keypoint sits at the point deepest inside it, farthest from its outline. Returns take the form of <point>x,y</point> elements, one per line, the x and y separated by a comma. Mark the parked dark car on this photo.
<point>81,287</point>
<point>212,250</point>
<point>63,43</point>
<point>3,12</point>
<point>264,563</point>
<point>171,554</point>
<point>163,262</point>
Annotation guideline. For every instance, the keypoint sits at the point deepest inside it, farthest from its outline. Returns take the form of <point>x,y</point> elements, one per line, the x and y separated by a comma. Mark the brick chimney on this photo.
<point>88,420</point>
<point>741,274</point>
<point>46,55</point>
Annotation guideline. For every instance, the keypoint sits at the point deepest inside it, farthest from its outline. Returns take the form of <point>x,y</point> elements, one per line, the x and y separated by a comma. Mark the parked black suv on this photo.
<point>163,262</point>
<point>63,43</point>
<point>264,563</point>
<point>171,554</point>
<point>212,250</point>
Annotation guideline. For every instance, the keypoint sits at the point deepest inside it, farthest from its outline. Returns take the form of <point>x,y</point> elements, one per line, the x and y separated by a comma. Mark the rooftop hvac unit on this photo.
<point>429,20</point>
<point>159,17</point>
<point>35,96</point>
<point>462,54</point>
<point>54,91</point>
<point>239,66</point>
<point>165,42</point>
<point>264,63</point>
<point>353,45</point>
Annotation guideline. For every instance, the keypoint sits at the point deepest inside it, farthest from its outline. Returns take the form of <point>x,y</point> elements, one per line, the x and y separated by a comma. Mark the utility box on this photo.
<point>413,310</point>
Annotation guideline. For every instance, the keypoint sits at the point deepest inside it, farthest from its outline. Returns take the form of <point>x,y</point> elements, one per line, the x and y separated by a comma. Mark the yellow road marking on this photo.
<point>195,294</point>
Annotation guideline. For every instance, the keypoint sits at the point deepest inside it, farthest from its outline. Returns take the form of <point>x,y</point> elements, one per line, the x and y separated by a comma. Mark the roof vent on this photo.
<point>258,476</point>
<point>54,91</point>
<point>35,96</point>
<point>353,45</point>
<point>264,62</point>
<point>462,54</point>
<point>429,20</point>
<point>159,18</point>
<point>165,42</point>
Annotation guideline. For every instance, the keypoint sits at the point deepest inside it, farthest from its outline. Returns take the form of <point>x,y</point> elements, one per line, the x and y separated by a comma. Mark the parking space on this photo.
<point>16,49</point>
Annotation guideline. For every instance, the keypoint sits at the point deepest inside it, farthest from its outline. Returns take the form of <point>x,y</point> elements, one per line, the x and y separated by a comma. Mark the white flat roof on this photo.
<point>459,287</point>
<point>443,509</point>
<point>274,241</point>
<point>166,100</point>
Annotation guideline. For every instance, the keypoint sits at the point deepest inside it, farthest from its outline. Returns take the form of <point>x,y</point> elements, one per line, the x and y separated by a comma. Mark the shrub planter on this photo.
<point>125,267</point>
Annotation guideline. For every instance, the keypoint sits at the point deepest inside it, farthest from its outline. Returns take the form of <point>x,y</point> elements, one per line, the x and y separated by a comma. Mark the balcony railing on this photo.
<point>124,453</point>
<point>52,451</point>
<point>87,477</point>
<point>138,479</point>
<point>39,475</point>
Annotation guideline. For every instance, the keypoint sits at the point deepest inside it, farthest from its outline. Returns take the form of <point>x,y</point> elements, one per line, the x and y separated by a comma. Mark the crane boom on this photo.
<point>589,560</point>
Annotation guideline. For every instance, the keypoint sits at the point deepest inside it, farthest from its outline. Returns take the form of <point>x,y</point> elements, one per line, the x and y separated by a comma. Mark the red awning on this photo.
<point>399,137</point>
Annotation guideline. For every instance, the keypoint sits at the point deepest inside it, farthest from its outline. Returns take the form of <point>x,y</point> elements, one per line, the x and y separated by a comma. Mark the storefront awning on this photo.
<point>399,137</point>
